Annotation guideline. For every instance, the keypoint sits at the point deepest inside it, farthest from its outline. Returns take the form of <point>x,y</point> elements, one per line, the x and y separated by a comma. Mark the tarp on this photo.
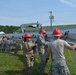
<point>1,33</point>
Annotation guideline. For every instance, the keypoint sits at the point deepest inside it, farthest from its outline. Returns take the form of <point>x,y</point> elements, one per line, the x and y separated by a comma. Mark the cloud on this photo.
<point>68,3</point>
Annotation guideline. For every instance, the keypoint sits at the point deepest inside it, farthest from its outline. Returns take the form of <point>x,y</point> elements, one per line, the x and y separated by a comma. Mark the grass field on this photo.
<point>12,64</point>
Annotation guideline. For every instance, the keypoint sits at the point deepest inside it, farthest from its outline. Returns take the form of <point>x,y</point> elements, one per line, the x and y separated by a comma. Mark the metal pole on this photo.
<point>50,17</point>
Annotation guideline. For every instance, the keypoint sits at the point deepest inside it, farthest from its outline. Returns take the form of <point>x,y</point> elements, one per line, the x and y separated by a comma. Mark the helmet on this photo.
<point>42,31</point>
<point>27,35</point>
<point>57,32</point>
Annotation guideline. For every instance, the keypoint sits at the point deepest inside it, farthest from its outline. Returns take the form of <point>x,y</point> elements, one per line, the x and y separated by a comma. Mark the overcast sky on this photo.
<point>17,12</point>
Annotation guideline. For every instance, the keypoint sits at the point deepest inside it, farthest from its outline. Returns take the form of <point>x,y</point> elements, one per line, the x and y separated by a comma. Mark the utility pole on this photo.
<point>51,17</point>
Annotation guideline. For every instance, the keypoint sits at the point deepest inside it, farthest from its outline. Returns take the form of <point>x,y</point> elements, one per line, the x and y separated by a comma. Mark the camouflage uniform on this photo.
<point>42,52</point>
<point>0,43</point>
<point>58,66</point>
<point>8,46</point>
<point>21,44</point>
<point>28,56</point>
<point>4,44</point>
<point>16,46</point>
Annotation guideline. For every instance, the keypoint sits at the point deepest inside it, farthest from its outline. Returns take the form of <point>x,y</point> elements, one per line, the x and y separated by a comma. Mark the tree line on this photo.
<point>12,29</point>
<point>9,29</point>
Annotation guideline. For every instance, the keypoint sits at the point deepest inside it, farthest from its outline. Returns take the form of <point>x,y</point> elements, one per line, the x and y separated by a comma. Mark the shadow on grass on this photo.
<point>20,56</point>
<point>19,72</point>
<point>11,72</point>
<point>34,72</point>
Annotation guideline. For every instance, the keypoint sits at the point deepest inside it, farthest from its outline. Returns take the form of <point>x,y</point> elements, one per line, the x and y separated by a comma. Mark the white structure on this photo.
<point>2,33</point>
<point>34,25</point>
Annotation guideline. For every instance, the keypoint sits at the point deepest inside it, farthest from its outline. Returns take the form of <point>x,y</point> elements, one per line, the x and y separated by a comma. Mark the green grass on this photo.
<point>12,64</point>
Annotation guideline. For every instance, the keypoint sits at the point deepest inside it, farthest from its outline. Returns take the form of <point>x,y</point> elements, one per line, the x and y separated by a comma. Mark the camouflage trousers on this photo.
<point>29,62</point>
<point>8,48</point>
<point>29,59</point>
<point>59,67</point>
<point>42,64</point>
<point>4,47</point>
<point>0,47</point>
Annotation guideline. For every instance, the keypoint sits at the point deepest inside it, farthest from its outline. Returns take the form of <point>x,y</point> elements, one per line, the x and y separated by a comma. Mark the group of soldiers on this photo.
<point>7,42</point>
<point>55,47</point>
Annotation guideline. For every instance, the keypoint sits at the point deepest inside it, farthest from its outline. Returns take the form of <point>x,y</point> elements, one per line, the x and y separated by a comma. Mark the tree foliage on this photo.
<point>9,29</point>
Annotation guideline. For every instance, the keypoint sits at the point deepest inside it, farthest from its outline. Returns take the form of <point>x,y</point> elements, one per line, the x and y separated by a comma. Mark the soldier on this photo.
<point>8,44</point>
<point>28,53</point>
<point>4,43</point>
<point>0,43</point>
<point>42,50</point>
<point>20,42</point>
<point>16,46</point>
<point>56,47</point>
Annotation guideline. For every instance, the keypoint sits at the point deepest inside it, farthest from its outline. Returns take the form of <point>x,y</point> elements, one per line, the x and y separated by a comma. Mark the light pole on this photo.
<point>51,17</point>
